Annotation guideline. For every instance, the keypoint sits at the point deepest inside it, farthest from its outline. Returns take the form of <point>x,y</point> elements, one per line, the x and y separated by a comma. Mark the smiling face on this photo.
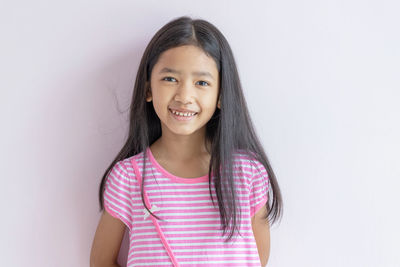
<point>184,79</point>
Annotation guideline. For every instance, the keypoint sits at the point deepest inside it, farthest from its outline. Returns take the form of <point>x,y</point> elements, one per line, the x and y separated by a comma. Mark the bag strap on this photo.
<point>154,220</point>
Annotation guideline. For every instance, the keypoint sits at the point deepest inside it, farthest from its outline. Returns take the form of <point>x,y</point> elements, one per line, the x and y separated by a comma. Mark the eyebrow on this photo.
<point>197,73</point>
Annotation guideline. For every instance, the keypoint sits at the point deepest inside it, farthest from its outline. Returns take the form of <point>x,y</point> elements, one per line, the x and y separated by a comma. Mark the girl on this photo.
<point>191,141</point>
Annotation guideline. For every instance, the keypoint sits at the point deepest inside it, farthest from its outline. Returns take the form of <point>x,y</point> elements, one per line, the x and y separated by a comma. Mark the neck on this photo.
<point>180,148</point>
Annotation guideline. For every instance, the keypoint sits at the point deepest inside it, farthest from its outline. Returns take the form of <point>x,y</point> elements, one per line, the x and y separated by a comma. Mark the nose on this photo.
<point>184,93</point>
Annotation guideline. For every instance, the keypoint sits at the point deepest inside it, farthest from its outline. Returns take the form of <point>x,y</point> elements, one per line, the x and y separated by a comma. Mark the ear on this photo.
<point>149,97</point>
<point>219,103</point>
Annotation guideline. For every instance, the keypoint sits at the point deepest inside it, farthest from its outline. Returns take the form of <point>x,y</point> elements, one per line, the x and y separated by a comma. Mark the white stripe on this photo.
<point>187,232</point>
<point>191,263</point>
<point>121,198</point>
<point>206,194</point>
<point>156,245</point>
<point>117,181</point>
<point>198,251</point>
<point>216,238</point>
<point>216,257</point>
<point>232,242</point>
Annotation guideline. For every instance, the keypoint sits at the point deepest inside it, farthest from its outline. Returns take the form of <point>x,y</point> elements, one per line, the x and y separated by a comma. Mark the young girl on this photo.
<point>192,169</point>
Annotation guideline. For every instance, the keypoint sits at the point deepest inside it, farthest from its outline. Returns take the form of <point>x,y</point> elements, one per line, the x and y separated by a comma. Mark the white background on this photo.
<point>321,79</point>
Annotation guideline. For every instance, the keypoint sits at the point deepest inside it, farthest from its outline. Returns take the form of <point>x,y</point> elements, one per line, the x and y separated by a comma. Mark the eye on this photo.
<point>167,78</point>
<point>205,82</point>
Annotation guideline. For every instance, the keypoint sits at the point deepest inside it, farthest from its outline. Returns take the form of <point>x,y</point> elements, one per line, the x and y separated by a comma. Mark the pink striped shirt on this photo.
<point>190,234</point>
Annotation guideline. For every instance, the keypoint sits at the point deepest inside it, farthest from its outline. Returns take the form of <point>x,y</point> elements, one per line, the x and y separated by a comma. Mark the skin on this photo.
<point>182,141</point>
<point>261,233</point>
<point>107,241</point>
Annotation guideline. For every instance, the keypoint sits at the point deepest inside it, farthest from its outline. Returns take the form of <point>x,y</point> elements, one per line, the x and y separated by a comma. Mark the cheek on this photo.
<point>210,101</point>
<point>160,96</point>
<point>209,107</point>
<point>160,103</point>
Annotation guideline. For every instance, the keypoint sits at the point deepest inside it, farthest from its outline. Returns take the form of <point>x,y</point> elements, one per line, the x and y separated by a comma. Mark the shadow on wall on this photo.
<point>123,252</point>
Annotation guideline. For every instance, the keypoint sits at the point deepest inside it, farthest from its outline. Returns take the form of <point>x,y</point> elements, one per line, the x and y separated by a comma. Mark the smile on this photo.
<point>182,116</point>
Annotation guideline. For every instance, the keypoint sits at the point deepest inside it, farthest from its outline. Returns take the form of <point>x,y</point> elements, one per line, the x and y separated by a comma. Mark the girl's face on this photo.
<point>187,80</point>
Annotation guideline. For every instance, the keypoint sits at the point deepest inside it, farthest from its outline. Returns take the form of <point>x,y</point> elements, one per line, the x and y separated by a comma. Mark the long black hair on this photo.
<point>229,129</point>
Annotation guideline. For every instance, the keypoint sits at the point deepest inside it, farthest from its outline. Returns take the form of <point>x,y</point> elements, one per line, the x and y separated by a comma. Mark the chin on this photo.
<point>184,133</point>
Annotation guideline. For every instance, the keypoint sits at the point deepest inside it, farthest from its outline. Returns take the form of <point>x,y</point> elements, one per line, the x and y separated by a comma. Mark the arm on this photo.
<point>260,228</point>
<point>107,241</point>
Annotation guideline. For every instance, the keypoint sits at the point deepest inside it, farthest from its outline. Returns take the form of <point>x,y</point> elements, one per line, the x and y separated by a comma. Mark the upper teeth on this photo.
<point>183,114</point>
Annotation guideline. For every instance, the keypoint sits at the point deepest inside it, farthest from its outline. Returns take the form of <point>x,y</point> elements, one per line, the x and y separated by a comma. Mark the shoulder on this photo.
<point>246,159</point>
<point>251,167</point>
<point>127,167</point>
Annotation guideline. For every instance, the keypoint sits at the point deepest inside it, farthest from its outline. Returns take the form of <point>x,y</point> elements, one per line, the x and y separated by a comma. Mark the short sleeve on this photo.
<point>259,186</point>
<point>117,194</point>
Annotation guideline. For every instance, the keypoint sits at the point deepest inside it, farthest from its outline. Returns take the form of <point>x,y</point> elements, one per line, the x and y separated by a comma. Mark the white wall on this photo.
<point>322,83</point>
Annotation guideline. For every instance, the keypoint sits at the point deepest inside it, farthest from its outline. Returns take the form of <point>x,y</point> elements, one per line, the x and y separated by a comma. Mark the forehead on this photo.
<point>186,59</point>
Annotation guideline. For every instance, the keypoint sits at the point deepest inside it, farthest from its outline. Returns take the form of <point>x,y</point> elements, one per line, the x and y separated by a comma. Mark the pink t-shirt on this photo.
<point>190,234</point>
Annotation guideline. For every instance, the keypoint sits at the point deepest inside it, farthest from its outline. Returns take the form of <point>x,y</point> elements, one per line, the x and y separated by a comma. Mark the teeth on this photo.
<point>183,114</point>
